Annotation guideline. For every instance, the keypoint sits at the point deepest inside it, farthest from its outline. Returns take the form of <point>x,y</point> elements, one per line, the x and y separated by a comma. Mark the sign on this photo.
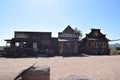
<point>21,35</point>
<point>68,35</point>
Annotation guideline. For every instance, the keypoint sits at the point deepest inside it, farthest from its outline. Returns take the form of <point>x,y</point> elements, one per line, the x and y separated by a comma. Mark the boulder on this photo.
<point>37,73</point>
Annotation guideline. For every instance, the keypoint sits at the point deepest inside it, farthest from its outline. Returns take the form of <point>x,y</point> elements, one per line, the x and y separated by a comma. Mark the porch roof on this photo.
<point>65,40</point>
<point>101,39</point>
<point>17,40</point>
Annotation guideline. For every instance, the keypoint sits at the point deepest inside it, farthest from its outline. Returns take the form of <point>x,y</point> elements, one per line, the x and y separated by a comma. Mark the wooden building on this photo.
<point>95,43</point>
<point>39,43</point>
<point>68,42</point>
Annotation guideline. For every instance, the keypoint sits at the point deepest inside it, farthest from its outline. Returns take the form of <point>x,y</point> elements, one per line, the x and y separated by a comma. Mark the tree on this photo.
<point>78,32</point>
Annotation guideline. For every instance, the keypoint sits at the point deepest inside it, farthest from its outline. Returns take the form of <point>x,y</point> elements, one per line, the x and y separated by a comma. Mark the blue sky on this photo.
<point>54,15</point>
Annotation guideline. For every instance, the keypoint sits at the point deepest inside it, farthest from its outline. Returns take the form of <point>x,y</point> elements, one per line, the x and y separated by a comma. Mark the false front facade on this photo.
<point>68,42</point>
<point>32,43</point>
<point>95,43</point>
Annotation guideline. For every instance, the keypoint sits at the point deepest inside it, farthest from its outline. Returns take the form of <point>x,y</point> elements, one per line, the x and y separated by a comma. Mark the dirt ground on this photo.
<point>93,67</point>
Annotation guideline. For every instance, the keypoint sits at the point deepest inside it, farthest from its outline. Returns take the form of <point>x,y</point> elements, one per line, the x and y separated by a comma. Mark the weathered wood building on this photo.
<point>67,43</point>
<point>95,43</point>
<point>36,43</point>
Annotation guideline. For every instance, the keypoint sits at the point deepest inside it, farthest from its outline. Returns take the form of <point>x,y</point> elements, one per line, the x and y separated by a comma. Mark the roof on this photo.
<point>30,32</point>
<point>94,39</point>
<point>17,39</point>
<point>68,29</point>
<point>95,34</point>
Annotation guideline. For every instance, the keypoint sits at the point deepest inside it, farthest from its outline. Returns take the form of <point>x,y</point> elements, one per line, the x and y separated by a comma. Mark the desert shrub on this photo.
<point>114,51</point>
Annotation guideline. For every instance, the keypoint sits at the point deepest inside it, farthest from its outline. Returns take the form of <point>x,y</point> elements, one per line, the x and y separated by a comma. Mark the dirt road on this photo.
<point>94,67</point>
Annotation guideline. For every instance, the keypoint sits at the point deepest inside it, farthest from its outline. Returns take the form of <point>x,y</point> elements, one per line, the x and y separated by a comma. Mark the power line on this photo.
<point>115,40</point>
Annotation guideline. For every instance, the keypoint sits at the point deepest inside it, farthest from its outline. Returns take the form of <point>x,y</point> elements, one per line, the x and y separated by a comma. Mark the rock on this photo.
<point>37,73</point>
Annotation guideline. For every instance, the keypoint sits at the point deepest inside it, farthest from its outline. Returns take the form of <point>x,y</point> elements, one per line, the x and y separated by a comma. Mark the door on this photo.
<point>34,45</point>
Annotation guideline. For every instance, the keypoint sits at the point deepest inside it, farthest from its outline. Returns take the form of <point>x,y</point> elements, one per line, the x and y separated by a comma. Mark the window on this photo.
<point>104,45</point>
<point>17,44</point>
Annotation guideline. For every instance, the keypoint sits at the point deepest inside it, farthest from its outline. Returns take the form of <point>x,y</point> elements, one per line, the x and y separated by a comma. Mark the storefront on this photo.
<point>68,42</point>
